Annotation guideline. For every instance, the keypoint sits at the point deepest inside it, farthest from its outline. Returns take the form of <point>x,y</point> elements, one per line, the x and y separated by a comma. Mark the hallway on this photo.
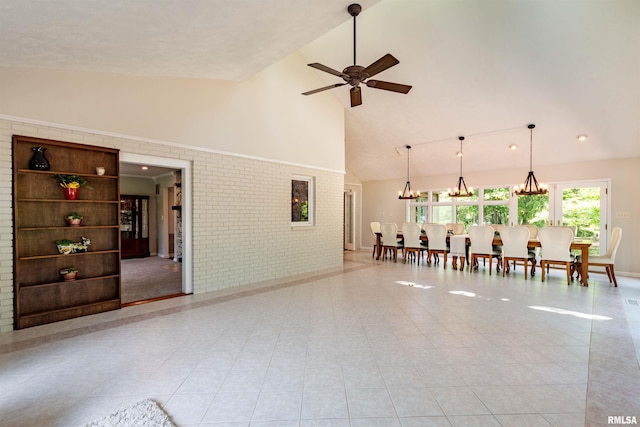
<point>150,277</point>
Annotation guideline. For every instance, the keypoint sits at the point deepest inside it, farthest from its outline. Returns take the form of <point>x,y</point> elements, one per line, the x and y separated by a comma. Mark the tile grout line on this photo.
<point>599,404</point>
<point>83,330</point>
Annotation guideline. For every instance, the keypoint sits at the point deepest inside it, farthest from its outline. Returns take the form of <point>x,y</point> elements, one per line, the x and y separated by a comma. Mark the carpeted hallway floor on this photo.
<point>150,277</point>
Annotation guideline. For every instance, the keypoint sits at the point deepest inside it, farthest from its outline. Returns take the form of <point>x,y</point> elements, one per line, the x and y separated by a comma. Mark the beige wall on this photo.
<point>381,202</point>
<point>244,143</point>
<point>265,116</point>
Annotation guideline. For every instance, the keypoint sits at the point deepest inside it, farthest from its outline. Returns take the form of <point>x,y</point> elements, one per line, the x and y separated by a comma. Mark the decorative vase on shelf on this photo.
<point>74,222</point>
<point>69,274</point>
<point>39,161</point>
<point>70,193</point>
<point>73,219</point>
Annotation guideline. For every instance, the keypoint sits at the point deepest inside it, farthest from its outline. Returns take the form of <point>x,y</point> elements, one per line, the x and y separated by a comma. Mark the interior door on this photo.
<point>583,206</point>
<point>349,220</point>
<point>134,226</point>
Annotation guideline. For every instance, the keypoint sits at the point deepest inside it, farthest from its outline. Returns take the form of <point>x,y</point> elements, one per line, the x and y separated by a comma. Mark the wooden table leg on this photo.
<point>378,245</point>
<point>585,266</point>
<point>462,263</point>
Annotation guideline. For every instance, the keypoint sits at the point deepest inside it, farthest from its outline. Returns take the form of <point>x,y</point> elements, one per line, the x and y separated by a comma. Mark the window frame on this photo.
<point>428,202</point>
<point>310,180</point>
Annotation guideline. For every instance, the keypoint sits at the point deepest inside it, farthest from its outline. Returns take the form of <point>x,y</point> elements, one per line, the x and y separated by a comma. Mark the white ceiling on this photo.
<point>150,171</point>
<point>482,69</point>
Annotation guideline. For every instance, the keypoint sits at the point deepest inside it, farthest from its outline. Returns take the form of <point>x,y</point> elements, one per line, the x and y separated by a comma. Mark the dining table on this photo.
<point>578,243</point>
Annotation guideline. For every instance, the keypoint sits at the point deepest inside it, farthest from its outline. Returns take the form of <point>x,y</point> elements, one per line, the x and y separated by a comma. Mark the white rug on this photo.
<point>146,413</point>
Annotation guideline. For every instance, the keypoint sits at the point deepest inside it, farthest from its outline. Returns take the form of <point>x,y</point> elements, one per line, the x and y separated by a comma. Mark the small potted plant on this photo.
<point>64,246</point>
<point>69,273</point>
<point>71,184</point>
<point>74,219</point>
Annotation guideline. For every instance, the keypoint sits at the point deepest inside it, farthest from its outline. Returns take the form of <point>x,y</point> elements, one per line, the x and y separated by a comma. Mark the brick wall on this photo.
<point>242,232</point>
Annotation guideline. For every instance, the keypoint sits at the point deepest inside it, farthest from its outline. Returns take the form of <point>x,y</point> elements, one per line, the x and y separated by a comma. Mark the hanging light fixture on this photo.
<point>531,187</point>
<point>407,194</point>
<point>461,189</point>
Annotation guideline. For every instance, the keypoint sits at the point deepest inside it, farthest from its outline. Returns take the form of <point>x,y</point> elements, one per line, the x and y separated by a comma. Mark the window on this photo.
<point>302,195</point>
<point>533,210</point>
<point>496,205</point>
<point>583,205</point>
<point>487,206</point>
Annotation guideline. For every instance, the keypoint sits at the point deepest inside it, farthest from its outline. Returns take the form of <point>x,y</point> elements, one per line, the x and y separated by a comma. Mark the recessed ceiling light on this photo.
<point>459,154</point>
<point>513,147</point>
<point>144,168</point>
<point>582,138</point>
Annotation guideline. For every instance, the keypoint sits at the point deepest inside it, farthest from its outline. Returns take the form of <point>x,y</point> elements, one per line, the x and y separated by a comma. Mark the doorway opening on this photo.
<point>165,269</point>
<point>582,205</point>
<point>349,223</point>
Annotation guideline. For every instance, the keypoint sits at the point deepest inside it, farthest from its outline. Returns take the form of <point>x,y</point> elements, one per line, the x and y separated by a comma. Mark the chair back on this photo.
<point>437,235</point>
<point>455,228</point>
<point>556,243</point>
<point>423,227</point>
<point>375,227</point>
<point>514,241</point>
<point>533,231</point>
<point>481,237</point>
<point>389,232</point>
<point>616,236</point>
<point>411,235</point>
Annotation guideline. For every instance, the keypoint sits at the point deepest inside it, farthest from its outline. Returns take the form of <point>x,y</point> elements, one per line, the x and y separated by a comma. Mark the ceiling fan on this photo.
<point>356,74</point>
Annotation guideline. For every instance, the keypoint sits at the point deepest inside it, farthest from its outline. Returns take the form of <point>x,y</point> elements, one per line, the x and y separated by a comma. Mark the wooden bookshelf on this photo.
<point>39,208</point>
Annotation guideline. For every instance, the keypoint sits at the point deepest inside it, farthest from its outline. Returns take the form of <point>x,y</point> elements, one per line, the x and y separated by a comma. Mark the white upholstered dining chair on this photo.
<point>411,245</point>
<point>437,236</point>
<point>533,230</point>
<point>533,234</point>
<point>455,228</point>
<point>607,260</point>
<point>390,242</point>
<point>514,248</point>
<point>375,229</point>
<point>481,238</point>
<point>555,243</point>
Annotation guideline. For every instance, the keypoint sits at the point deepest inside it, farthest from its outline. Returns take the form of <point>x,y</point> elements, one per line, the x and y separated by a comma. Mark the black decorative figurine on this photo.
<point>39,161</point>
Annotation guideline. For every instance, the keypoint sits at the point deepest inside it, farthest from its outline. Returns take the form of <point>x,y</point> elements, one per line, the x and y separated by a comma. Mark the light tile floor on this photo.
<point>372,344</point>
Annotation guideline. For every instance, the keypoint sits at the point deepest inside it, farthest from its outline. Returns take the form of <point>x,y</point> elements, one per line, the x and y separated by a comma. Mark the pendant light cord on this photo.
<point>531,126</point>
<point>408,153</point>
<point>460,156</point>
<point>531,149</point>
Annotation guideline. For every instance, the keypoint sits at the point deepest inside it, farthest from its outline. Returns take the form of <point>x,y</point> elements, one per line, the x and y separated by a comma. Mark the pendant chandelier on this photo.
<point>531,187</point>
<point>407,194</point>
<point>461,188</point>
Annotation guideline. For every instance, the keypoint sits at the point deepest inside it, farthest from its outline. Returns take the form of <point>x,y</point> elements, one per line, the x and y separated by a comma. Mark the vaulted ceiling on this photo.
<point>481,69</point>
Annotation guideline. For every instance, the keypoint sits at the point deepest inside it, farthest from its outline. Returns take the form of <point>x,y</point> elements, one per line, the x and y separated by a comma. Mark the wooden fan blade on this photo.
<point>326,69</point>
<point>381,64</point>
<point>356,96</point>
<point>323,88</point>
<point>393,87</point>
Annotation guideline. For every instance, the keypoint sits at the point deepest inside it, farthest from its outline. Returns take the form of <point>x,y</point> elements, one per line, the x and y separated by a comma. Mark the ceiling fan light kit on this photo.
<point>531,187</point>
<point>461,188</point>
<point>354,75</point>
